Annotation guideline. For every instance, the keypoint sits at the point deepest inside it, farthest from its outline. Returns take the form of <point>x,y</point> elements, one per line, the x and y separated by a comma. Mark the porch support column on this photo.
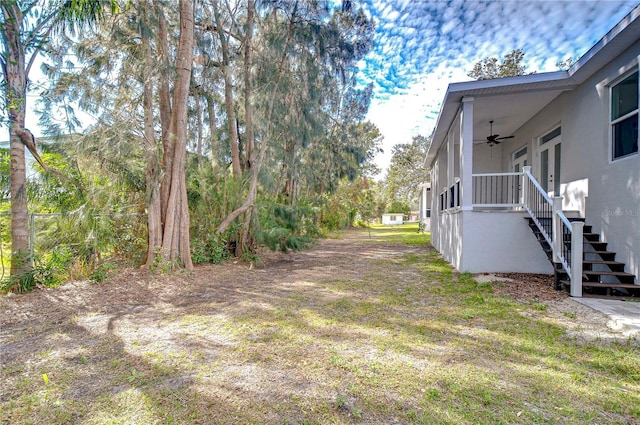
<point>434,198</point>
<point>451,176</point>
<point>466,153</point>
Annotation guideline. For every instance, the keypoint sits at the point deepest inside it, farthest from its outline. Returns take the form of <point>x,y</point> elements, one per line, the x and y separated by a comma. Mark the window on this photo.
<point>522,152</point>
<point>550,136</point>
<point>519,159</point>
<point>624,117</point>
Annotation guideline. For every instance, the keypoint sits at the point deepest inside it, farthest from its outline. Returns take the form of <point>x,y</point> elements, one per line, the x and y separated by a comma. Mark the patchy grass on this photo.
<point>357,330</point>
<point>407,233</point>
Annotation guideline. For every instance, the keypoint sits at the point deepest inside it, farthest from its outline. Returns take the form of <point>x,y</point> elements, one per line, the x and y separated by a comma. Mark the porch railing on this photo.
<point>497,190</point>
<point>521,191</point>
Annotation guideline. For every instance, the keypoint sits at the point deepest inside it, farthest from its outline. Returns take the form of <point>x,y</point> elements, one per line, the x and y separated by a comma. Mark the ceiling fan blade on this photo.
<point>505,137</point>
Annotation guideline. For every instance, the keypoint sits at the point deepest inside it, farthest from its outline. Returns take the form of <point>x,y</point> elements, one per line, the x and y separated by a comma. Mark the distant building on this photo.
<point>392,218</point>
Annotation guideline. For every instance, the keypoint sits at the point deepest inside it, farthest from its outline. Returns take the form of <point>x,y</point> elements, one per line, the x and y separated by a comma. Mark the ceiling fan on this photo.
<point>494,139</point>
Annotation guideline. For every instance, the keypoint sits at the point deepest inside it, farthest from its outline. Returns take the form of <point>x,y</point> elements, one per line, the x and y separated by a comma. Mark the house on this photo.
<point>392,218</point>
<point>424,209</point>
<point>541,173</point>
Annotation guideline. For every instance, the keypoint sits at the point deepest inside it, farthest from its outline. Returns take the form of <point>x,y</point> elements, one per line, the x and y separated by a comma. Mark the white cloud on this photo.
<point>413,112</point>
<point>422,46</point>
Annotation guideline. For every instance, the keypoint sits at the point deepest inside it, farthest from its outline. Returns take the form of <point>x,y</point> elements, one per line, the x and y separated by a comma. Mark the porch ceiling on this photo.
<point>508,112</point>
<point>509,102</point>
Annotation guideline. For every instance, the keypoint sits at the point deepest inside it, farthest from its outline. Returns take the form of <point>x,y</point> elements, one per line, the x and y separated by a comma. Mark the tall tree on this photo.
<point>488,68</point>
<point>151,149</point>
<point>228,90</point>
<point>175,238</point>
<point>15,69</point>
<point>406,170</point>
<point>25,28</point>
<point>145,69</point>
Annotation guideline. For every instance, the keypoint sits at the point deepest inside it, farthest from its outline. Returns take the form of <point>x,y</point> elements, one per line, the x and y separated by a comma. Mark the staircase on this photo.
<point>601,274</point>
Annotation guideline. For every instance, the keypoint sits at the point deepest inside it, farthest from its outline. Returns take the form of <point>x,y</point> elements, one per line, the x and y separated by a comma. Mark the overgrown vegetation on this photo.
<point>378,330</point>
<point>258,146</point>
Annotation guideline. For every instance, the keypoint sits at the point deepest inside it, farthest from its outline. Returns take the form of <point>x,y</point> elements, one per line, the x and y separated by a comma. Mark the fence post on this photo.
<point>32,236</point>
<point>577,248</point>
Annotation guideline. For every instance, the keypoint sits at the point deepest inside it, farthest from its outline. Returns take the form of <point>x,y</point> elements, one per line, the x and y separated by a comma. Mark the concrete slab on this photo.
<point>623,315</point>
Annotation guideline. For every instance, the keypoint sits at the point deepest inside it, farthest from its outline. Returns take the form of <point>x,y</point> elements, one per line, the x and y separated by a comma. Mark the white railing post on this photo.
<point>526,171</point>
<point>577,228</point>
<point>556,230</point>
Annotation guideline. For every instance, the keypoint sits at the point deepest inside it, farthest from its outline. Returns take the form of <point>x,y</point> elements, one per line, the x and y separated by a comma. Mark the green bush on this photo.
<point>286,227</point>
<point>102,272</point>
<point>51,271</point>
<point>210,249</point>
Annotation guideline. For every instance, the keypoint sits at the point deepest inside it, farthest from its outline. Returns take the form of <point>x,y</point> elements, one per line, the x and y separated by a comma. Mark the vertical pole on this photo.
<point>32,234</point>
<point>556,229</point>
<point>526,170</point>
<point>577,228</point>
<point>557,242</point>
<point>466,153</point>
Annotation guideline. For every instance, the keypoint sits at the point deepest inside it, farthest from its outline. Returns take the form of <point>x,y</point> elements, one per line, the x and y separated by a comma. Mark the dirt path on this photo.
<point>233,282</point>
<point>188,345</point>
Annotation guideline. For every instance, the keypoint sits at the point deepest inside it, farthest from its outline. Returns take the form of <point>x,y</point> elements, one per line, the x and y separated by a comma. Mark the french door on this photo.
<point>550,160</point>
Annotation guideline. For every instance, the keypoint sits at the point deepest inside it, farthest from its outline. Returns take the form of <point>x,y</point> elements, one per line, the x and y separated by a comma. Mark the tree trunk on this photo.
<point>199,130</point>
<point>248,90</point>
<point>250,200</point>
<point>175,241</point>
<point>228,94</point>
<point>154,209</point>
<point>164,96</point>
<point>15,76</point>
<point>213,132</point>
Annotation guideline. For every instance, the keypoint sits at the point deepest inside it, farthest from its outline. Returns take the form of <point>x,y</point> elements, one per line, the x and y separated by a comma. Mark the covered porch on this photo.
<point>487,179</point>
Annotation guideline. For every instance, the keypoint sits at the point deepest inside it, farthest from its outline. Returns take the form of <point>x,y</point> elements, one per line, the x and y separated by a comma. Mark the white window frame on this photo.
<point>524,148</point>
<point>612,122</point>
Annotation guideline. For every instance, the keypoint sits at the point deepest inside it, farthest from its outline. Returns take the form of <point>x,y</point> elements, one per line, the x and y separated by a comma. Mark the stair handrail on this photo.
<point>528,207</point>
<point>527,171</point>
<point>564,251</point>
<point>568,253</point>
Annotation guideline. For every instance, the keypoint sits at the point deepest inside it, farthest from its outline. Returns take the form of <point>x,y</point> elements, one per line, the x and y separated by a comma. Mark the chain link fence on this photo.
<point>78,241</point>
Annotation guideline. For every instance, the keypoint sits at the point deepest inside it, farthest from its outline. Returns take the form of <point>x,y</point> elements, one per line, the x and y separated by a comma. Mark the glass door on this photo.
<point>550,162</point>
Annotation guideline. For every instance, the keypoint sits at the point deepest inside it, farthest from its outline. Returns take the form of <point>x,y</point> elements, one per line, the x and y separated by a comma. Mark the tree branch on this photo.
<point>27,139</point>
<point>232,216</point>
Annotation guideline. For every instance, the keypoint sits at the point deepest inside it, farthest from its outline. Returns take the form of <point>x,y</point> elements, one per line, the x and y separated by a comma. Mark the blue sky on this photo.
<point>423,45</point>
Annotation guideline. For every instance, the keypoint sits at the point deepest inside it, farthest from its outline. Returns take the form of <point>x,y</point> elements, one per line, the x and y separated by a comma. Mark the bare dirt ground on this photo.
<point>135,290</point>
<point>82,329</point>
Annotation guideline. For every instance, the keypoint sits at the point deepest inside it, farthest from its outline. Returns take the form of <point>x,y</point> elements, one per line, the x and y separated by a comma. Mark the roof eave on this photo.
<point>557,80</point>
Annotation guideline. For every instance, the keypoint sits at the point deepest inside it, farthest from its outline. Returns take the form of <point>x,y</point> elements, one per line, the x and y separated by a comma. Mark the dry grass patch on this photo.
<point>355,330</point>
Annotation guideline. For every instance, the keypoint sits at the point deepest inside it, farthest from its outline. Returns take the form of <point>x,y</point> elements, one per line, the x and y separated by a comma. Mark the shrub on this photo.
<point>286,227</point>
